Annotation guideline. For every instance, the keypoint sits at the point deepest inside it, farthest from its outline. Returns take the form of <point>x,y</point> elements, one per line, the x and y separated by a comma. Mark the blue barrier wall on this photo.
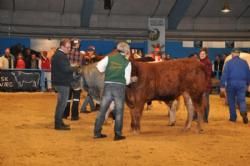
<point>175,49</point>
<point>6,42</point>
<point>172,47</point>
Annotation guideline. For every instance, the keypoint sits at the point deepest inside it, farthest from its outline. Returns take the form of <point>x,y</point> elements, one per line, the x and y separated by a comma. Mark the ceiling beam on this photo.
<point>177,12</point>
<point>156,8</point>
<point>125,33</point>
<point>86,12</point>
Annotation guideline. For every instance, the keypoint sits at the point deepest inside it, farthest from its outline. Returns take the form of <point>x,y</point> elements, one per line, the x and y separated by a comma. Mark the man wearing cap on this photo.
<point>117,75</point>
<point>235,79</point>
<point>90,55</point>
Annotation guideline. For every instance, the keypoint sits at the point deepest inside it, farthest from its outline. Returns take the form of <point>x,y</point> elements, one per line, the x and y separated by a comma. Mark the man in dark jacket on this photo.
<point>236,78</point>
<point>62,75</point>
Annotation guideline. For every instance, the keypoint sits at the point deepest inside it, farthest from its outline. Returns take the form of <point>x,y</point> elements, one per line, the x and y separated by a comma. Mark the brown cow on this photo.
<point>166,81</point>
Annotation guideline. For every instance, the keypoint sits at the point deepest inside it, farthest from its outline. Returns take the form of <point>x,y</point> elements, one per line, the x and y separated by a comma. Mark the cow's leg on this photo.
<point>200,106</point>
<point>110,109</point>
<point>199,121</point>
<point>190,110</point>
<point>171,112</point>
<point>149,105</point>
<point>136,114</point>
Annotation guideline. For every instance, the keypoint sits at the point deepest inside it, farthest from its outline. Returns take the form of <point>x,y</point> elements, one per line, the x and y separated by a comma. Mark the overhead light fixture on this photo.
<point>226,8</point>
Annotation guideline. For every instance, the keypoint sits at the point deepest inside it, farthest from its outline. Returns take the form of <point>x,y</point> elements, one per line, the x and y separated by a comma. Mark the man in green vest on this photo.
<point>117,70</point>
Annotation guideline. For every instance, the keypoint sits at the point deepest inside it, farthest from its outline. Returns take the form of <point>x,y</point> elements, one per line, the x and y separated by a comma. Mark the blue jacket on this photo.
<point>235,70</point>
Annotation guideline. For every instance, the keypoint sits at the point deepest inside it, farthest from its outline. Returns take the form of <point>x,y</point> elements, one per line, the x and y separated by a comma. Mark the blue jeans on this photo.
<point>236,91</point>
<point>62,97</point>
<point>87,100</point>
<point>116,93</point>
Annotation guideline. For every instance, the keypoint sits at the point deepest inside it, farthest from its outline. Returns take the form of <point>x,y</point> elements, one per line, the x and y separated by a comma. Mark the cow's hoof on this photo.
<point>135,132</point>
<point>200,131</point>
<point>171,124</point>
<point>185,129</point>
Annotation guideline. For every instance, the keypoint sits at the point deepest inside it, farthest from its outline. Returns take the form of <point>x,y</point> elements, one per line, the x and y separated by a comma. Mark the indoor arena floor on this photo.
<point>28,138</point>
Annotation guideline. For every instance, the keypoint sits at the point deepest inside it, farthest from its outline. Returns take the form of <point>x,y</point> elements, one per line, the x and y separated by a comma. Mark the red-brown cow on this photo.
<point>166,81</point>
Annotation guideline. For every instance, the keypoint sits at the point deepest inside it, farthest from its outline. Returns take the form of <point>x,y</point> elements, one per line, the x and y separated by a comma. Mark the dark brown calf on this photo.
<point>166,81</point>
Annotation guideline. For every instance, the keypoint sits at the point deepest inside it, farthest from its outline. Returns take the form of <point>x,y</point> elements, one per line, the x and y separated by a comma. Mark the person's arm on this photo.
<point>40,63</point>
<point>101,66</point>
<point>224,76</point>
<point>65,65</point>
<point>128,73</point>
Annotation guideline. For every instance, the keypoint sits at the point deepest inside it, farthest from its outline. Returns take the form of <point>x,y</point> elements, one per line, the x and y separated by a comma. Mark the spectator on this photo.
<point>27,58</point>
<point>7,60</point>
<point>218,66</point>
<point>20,63</point>
<point>45,65</point>
<point>34,62</point>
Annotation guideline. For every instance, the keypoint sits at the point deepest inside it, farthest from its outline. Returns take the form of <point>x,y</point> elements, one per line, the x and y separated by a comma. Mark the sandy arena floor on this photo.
<point>27,137</point>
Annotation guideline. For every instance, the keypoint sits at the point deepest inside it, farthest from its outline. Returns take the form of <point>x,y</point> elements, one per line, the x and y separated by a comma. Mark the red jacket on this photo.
<point>45,63</point>
<point>20,64</point>
<point>208,68</point>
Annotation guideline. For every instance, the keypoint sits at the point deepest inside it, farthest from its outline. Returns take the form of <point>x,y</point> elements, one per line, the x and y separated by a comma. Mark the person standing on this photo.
<point>75,92</point>
<point>45,66</point>
<point>234,80</point>
<point>34,62</point>
<point>7,61</point>
<point>20,63</point>
<point>89,57</point>
<point>117,75</point>
<point>204,59</point>
<point>62,75</point>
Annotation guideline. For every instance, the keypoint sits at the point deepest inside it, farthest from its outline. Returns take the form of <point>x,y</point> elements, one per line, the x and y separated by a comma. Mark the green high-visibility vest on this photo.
<point>115,70</point>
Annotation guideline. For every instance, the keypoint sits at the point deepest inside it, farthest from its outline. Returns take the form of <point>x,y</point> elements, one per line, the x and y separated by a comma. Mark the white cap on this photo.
<point>82,52</point>
<point>123,47</point>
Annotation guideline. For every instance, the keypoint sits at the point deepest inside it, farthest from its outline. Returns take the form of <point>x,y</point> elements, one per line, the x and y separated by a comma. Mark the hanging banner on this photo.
<point>156,34</point>
<point>19,80</point>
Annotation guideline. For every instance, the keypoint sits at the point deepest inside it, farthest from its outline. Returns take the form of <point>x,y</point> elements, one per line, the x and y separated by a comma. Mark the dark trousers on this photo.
<point>75,94</point>
<point>62,95</point>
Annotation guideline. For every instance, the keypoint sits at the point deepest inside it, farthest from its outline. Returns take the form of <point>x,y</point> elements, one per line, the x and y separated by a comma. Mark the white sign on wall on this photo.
<point>44,44</point>
<point>156,27</point>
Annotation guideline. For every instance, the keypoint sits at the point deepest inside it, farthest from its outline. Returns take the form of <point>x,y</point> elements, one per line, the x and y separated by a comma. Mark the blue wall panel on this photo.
<point>172,47</point>
<point>6,42</point>
<point>102,46</point>
<point>175,49</point>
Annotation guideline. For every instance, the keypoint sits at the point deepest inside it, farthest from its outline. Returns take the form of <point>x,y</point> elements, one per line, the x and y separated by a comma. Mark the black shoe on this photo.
<point>100,136</point>
<point>245,120</point>
<point>205,120</point>
<point>65,125</point>
<point>244,117</point>
<point>232,120</point>
<point>65,117</point>
<point>62,128</point>
<point>74,118</point>
<point>85,112</point>
<point>119,137</point>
